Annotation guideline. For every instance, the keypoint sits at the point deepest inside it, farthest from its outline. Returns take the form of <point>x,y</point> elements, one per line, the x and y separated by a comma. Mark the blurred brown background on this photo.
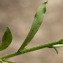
<point>18,15</point>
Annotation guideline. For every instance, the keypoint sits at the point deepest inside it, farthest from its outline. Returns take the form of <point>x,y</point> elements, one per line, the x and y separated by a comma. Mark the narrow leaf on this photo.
<point>6,40</point>
<point>38,19</point>
<point>5,61</point>
<point>58,45</point>
<point>55,50</point>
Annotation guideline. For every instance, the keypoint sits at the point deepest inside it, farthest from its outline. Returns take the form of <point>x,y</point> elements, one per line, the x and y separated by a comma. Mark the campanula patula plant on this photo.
<point>38,19</point>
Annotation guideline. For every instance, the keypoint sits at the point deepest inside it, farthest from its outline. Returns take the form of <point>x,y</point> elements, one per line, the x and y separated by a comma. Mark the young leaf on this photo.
<point>5,61</point>
<point>58,45</point>
<point>6,40</point>
<point>38,19</point>
<point>55,50</point>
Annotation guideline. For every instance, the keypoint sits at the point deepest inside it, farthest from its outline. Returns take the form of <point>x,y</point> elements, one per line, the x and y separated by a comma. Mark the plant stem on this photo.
<point>31,49</point>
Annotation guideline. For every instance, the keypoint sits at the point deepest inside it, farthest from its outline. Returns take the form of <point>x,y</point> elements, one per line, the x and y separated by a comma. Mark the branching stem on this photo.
<point>32,49</point>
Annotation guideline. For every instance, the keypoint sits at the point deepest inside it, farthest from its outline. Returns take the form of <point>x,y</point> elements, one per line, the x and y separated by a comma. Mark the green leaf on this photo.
<point>55,50</point>
<point>5,61</point>
<point>60,41</point>
<point>6,40</point>
<point>58,45</point>
<point>38,19</point>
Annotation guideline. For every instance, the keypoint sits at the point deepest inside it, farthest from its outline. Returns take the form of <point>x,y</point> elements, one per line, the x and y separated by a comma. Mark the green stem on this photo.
<point>31,49</point>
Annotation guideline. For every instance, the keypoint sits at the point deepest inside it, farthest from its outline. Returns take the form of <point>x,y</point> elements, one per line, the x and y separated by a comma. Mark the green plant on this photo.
<point>38,19</point>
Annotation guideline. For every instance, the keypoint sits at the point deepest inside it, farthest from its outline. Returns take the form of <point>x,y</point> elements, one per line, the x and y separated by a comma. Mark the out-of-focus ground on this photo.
<point>18,15</point>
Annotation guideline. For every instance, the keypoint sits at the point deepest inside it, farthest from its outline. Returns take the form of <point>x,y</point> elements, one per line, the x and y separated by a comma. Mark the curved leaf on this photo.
<point>38,19</point>
<point>5,61</point>
<point>55,50</point>
<point>6,40</point>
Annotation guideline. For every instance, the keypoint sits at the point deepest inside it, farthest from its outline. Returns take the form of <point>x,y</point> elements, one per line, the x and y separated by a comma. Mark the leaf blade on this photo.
<point>38,19</point>
<point>6,40</point>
